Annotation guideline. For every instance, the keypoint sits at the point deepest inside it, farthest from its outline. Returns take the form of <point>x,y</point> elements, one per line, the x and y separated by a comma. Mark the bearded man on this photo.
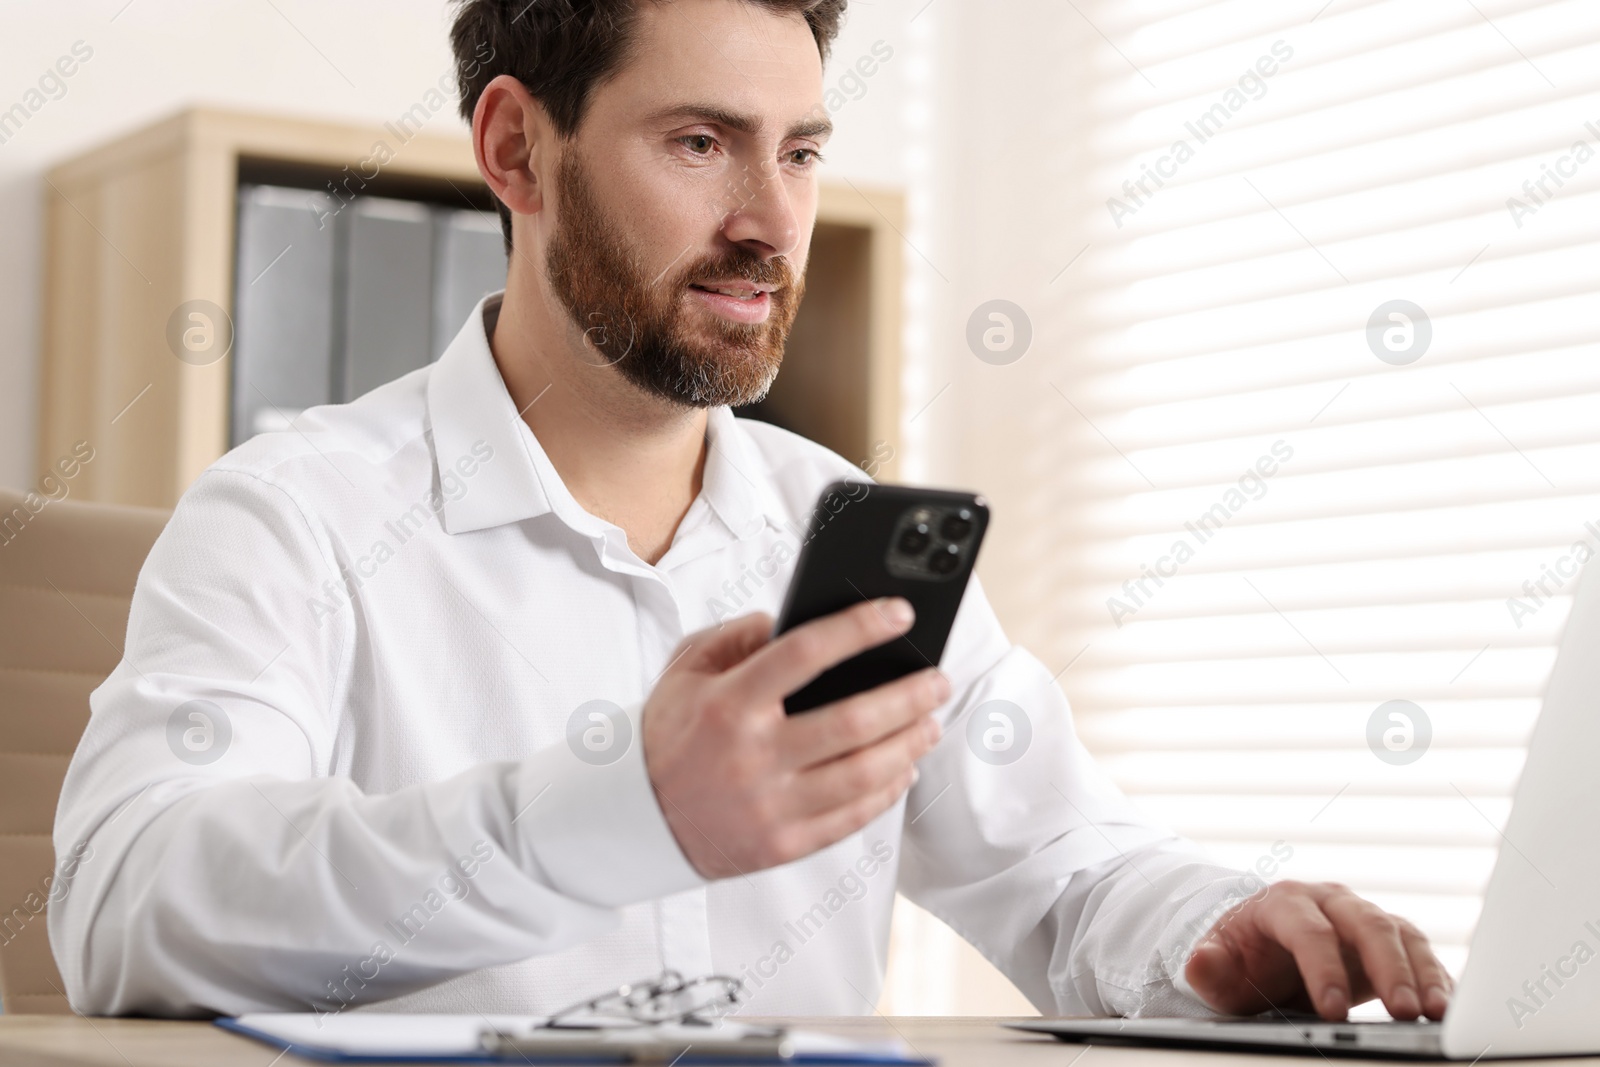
<point>424,705</point>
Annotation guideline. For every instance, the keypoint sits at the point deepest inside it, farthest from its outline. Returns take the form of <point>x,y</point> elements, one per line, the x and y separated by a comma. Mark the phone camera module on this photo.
<point>931,544</point>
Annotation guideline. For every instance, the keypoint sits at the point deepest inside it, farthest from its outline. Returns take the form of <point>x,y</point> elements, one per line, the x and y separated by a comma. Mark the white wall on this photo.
<point>362,60</point>
<point>995,179</point>
<point>1002,194</point>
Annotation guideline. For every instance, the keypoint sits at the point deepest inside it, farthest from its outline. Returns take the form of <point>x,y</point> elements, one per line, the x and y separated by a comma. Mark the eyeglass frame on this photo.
<point>633,1002</point>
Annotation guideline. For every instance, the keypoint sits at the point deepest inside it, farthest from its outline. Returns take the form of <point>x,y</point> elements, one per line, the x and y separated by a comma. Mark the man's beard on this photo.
<point>641,323</point>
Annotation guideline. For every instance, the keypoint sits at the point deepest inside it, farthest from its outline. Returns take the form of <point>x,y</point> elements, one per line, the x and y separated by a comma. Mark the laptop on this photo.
<point>1531,982</point>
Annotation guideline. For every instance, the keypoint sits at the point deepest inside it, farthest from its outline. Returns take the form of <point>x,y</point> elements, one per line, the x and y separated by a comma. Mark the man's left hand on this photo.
<point>1316,946</point>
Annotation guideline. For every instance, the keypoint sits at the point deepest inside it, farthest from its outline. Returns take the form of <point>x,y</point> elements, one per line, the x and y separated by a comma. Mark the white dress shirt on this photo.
<point>375,738</point>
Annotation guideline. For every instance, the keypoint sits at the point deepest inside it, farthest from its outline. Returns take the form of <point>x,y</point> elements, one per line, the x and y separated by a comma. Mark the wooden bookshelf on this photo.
<point>145,223</point>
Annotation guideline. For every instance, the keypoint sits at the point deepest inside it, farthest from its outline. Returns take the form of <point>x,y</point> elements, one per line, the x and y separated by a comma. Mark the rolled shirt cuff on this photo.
<point>1195,921</point>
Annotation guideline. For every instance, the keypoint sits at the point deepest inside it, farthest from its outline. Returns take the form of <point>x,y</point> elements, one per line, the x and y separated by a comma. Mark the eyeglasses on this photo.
<point>667,999</point>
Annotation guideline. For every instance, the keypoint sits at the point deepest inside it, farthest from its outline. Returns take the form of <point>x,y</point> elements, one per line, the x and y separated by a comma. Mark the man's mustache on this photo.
<point>774,272</point>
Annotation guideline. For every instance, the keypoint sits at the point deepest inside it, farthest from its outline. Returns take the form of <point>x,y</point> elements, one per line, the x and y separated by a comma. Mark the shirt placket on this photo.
<point>682,923</point>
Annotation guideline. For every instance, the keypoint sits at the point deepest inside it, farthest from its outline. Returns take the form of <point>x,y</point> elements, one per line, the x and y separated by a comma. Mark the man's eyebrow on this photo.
<point>819,127</point>
<point>750,125</point>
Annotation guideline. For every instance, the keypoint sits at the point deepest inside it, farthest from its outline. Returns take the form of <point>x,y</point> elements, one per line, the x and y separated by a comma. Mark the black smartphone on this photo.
<point>867,540</point>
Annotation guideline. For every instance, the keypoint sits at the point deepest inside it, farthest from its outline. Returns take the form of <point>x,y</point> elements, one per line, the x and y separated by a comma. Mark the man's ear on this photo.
<point>511,138</point>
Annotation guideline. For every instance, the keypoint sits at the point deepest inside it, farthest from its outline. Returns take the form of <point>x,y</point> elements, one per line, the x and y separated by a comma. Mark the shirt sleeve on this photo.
<point>1017,839</point>
<point>220,866</point>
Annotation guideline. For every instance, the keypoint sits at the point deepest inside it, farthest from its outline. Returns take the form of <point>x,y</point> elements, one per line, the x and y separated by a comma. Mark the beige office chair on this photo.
<point>66,576</point>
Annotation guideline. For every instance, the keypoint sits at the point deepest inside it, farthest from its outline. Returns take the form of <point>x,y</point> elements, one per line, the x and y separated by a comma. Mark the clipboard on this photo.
<point>382,1037</point>
<point>649,1044</point>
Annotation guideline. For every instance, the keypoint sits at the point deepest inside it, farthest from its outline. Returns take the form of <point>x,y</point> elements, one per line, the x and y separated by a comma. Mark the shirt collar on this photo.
<point>471,411</point>
<point>737,482</point>
<point>468,405</point>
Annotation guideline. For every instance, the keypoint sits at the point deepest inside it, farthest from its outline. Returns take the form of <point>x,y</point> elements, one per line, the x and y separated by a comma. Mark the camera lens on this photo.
<point>957,525</point>
<point>945,561</point>
<point>915,539</point>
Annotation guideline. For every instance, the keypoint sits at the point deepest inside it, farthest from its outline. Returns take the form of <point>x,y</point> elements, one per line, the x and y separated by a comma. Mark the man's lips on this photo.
<point>742,302</point>
<point>738,290</point>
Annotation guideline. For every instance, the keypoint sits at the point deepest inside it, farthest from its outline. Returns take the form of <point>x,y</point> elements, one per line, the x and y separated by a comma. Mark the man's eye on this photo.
<point>698,143</point>
<point>805,156</point>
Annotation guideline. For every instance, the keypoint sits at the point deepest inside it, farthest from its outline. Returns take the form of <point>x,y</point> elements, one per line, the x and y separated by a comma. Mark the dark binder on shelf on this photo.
<point>284,297</point>
<point>331,304</point>
<point>388,292</point>
<point>469,263</point>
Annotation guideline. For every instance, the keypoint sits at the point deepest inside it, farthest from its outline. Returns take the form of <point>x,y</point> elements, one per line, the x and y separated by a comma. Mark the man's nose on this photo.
<point>759,211</point>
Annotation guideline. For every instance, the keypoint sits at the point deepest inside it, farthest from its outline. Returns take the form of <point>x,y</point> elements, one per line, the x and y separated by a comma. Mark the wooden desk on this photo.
<point>76,1041</point>
<point>73,1041</point>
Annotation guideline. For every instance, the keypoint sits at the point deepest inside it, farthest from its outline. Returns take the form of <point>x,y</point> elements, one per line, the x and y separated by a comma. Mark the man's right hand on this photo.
<point>745,786</point>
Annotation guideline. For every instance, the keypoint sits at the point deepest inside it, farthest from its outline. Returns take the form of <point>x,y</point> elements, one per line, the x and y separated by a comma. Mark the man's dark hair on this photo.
<point>562,49</point>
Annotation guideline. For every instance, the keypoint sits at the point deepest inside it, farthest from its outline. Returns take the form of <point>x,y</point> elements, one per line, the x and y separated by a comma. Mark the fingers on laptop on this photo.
<point>1383,955</point>
<point>1322,939</point>
<point>1434,981</point>
<point>1371,953</point>
<point>1291,915</point>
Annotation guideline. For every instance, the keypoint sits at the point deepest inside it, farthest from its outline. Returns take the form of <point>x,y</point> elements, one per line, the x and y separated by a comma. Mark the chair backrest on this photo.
<point>67,572</point>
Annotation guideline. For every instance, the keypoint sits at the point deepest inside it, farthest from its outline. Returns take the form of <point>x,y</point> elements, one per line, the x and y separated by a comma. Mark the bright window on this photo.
<point>1333,356</point>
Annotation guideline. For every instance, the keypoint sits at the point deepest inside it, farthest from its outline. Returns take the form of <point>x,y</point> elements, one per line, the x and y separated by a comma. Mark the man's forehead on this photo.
<point>731,55</point>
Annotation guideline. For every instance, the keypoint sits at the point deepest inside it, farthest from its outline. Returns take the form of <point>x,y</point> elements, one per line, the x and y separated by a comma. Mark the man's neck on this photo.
<point>627,457</point>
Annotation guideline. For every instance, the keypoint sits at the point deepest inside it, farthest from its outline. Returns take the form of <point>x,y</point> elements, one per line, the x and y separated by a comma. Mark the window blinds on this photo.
<point>1338,373</point>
